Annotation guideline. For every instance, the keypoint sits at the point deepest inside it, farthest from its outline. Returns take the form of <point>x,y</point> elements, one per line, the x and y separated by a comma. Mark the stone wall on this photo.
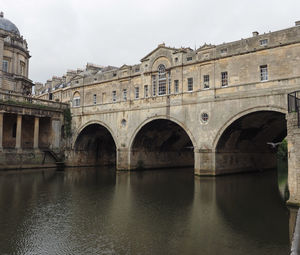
<point>293,158</point>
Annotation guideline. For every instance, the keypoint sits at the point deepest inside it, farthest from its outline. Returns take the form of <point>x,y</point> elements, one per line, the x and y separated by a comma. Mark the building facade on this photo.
<point>14,59</point>
<point>216,108</point>
<point>28,126</point>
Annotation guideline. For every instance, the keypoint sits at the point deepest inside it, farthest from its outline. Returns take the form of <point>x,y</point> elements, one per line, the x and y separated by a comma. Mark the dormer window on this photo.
<point>114,74</point>
<point>263,42</point>
<point>176,60</point>
<point>223,51</point>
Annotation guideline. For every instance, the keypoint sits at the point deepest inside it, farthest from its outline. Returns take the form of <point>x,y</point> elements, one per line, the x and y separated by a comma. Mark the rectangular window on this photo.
<point>190,84</point>
<point>189,58</point>
<point>136,92</point>
<point>169,82</point>
<point>125,94</point>
<point>206,81</point>
<point>146,91</point>
<point>224,79</point>
<point>5,66</point>
<point>153,85</point>
<point>176,86</point>
<point>263,42</point>
<point>114,96</point>
<point>264,73</point>
<point>223,51</point>
<point>76,101</point>
<point>22,68</point>
<point>95,99</point>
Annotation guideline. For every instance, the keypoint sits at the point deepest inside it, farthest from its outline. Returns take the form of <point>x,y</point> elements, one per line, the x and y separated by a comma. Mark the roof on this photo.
<point>7,25</point>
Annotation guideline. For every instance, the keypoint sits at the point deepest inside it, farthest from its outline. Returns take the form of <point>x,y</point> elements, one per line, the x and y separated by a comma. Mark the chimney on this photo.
<point>1,14</point>
<point>297,23</point>
<point>255,33</point>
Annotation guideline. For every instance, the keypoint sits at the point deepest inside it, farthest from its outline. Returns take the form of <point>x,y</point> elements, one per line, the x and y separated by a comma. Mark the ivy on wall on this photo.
<point>67,122</point>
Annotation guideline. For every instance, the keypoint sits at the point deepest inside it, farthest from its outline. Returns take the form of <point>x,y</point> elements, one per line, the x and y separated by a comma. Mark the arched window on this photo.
<point>162,80</point>
<point>76,99</point>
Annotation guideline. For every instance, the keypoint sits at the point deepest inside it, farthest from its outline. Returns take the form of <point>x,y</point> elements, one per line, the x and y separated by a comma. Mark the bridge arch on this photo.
<point>242,143</point>
<point>160,142</point>
<point>94,144</point>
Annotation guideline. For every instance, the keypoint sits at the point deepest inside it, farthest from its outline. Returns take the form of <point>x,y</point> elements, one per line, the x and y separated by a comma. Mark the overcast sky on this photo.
<point>66,34</point>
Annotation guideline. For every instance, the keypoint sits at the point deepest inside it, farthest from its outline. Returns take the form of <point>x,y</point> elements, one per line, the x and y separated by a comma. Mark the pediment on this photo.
<point>160,48</point>
<point>206,47</point>
<point>124,67</point>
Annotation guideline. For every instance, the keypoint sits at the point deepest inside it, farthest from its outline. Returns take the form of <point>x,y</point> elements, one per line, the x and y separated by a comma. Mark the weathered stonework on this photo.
<point>293,158</point>
<point>218,105</point>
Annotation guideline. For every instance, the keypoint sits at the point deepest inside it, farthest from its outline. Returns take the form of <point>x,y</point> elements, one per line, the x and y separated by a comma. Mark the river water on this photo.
<point>98,211</point>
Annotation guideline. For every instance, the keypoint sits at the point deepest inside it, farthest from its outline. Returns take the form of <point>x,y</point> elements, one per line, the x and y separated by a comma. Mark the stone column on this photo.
<point>36,133</point>
<point>293,139</point>
<point>204,162</point>
<point>1,131</point>
<point>19,132</point>
<point>123,159</point>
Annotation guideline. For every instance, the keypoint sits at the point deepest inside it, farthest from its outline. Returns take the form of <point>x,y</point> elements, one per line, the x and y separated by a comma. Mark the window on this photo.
<point>264,73</point>
<point>204,117</point>
<point>114,96</point>
<point>190,84</point>
<point>5,66</point>
<point>169,82</point>
<point>146,92</point>
<point>125,94</point>
<point>22,68</point>
<point>50,96</point>
<point>189,58</point>
<point>206,81</point>
<point>223,51</point>
<point>95,99</point>
<point>76,101</point>
<point>176,60</point>
<point>136,92</point>
<point>137,69</point>
<point>162,80</point>
<point>176,86</point>
<point>224,79</point>
<point>114,74</point>
<point>263,42</point>
<point>153,85</point>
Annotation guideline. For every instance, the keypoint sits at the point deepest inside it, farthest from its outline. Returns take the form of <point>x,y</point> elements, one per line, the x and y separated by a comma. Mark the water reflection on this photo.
<point>98,211</point>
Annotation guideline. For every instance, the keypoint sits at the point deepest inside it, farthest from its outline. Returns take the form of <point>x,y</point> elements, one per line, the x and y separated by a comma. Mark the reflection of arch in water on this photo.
<point>161,142</point>
<point>94,145</point>
<point>251,206</point>
<point>242,143</point>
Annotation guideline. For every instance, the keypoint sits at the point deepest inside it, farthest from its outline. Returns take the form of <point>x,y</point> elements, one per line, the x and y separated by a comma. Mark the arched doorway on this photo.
<point>95,146</point>
<point>250,142</point>
<point>161,143</point>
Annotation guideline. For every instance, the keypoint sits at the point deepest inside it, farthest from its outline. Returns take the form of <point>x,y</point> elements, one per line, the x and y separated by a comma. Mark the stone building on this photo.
<point>216,108</point>
<point>14,56</point>
<point>28,126</point>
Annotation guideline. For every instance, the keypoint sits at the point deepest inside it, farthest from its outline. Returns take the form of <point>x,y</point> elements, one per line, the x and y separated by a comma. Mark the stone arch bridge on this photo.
<point>220,131</point>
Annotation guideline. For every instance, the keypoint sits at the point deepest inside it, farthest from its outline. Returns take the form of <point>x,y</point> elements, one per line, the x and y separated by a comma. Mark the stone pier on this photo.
<point>293,158</point>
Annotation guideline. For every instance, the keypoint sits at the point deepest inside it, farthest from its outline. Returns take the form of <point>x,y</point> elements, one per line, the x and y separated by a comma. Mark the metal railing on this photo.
<point>27,101</point>
<point>294,104</point>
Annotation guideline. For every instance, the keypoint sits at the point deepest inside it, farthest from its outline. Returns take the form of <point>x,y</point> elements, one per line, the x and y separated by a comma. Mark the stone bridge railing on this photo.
<point>294,104</point>
<point>28,101</point>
